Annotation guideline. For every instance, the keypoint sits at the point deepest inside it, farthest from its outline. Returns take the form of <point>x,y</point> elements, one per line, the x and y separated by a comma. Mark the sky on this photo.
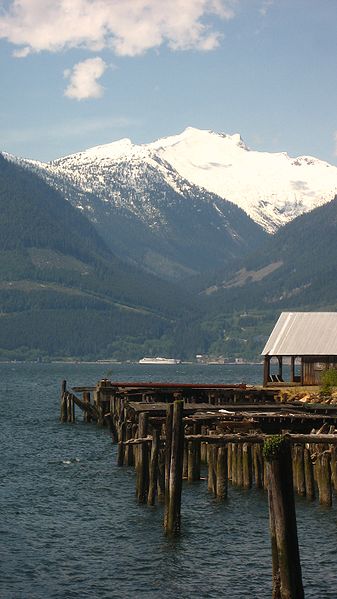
<point>79,73</point>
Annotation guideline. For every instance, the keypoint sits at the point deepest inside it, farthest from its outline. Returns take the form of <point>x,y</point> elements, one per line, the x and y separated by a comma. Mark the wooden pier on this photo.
<point>244,437</point>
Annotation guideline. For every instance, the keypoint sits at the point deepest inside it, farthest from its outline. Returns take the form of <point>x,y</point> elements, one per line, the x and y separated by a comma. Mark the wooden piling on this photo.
<point>308,474</point>
<point>73,419</point>
<point>333,466</point>
<point>128,450</point>
<point>121,448</point>
<point>64,404</point>
<point>211,460</point>
<point>168,447</point>
<point>258,465</point>
<point>239,473</point>
<point>324,478</point>
<point>203,446</point>
<point>86,413</point>
<point>142,469</point>
<point>280,481</point>
<point>229,461</point>
<point>176,470</point>
<point>193,456</point>
<point>221,472</point>
<point>265,474</point>
<point>298,469</point>
<point>153,468</point>
<point>247,474</point>
<point>69,407</point>
<point>185,460</point>
<point>276,581</point>
<point>234,463</point>
<point>161,476</point>
<point>193,461</point>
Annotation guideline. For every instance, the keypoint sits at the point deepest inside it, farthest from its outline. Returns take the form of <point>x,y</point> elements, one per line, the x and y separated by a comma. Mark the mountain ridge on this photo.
<point>271,187</point>
<point>62,291</point>
<point>146,212</point>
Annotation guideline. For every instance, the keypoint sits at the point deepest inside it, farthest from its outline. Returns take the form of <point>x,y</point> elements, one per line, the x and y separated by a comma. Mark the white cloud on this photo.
<point>128,27</point>
<point>83,79</point>
<point>266,5</point>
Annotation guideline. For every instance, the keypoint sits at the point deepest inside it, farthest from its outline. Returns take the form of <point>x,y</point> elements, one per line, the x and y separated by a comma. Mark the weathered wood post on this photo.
<point>69,407</point>
<point>121,447</point>
<point>298,469</point>
<point>203,446</point>
<point>128,449</point>
<point>324,478</point>
<point>64,412</point>
<point>308,475</point>
<point>142,467</point>
<point>211,460</point>
<point>190,461</point>
<point>193,456</point>
<point>168,446</point>
<point>161,476</point>
<point>176,469</point>
<point>185,460</point>
<point>234,463</point>
<point>72,410</point>
<point>153,468</point>
<point>229,461</point>
<point>258,465</point>
<point>221,472</point>
<point>265,474</point>
<point>239,473</point>
<point>333,465</point>
<point>276,582</point>
<point>86,413</point>
<point>247,474</point>
<point>277,453</point>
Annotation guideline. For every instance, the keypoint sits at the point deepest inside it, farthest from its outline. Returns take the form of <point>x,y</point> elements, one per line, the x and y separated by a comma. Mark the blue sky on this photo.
<point>78,73</point>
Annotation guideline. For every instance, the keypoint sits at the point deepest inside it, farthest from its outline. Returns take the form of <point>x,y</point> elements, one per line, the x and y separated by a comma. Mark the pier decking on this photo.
<point>244,436</point>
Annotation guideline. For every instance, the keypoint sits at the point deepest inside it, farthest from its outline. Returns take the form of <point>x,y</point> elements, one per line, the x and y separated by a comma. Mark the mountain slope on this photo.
<point>272,188</point>
<point>148,213</point>
<point>61,289</point>
<point>296,266</point>
<point>294,270</point>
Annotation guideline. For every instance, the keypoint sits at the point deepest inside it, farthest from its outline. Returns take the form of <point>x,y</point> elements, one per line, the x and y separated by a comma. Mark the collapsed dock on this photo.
<point>244,437</point>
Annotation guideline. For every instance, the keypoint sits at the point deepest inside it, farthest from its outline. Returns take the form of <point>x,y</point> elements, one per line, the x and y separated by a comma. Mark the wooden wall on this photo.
<point>314,366</point>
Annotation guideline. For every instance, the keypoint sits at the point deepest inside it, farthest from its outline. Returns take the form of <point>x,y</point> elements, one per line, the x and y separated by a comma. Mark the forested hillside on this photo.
<point>62,292</point>
<point>294,270</point>
<point>148,214</point>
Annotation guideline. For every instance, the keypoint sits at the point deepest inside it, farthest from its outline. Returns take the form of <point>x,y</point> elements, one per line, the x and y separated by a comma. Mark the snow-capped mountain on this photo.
<point>147,212</point>
<point>272,188</point>
<point>179,205</point>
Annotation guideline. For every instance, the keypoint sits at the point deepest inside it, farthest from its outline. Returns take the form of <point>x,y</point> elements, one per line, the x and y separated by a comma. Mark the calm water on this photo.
<point>71,528</point>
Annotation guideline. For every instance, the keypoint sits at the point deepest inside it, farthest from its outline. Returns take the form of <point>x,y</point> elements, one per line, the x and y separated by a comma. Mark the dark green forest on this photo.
<point>63,293</point>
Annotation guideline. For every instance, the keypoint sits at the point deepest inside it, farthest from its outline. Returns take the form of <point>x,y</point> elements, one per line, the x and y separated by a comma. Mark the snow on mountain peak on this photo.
<point>115,149</point>
<point>272,188</point>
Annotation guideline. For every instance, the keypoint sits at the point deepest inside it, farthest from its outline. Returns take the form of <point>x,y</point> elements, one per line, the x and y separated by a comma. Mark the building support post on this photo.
<point>266,370</point>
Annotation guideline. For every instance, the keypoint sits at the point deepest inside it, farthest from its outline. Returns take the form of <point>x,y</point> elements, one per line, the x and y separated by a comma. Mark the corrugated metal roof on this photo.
<point>303,334</point>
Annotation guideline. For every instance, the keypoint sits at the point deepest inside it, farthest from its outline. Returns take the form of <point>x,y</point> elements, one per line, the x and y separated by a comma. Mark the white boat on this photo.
<point>159,360</point>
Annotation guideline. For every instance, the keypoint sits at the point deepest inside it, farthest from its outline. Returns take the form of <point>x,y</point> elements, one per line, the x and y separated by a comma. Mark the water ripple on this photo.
<point>72,529</point>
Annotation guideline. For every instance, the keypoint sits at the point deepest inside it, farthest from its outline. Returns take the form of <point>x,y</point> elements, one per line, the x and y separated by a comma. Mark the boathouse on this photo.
<point>301,346</point>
